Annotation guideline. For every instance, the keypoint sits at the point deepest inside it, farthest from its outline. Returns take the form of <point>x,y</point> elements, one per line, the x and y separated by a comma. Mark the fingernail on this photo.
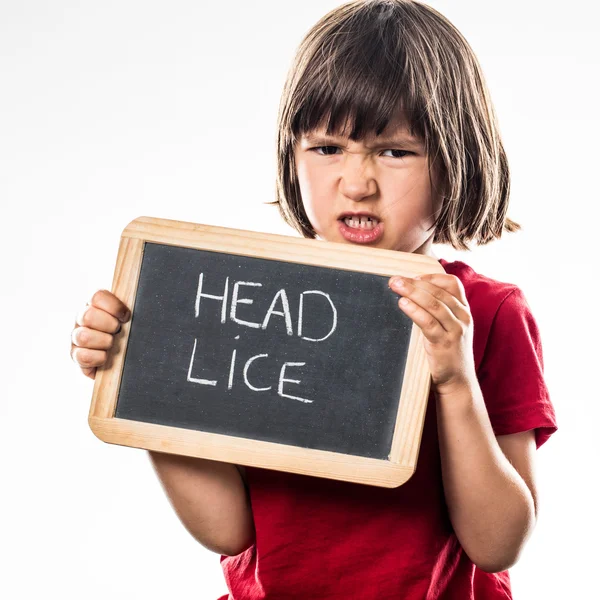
<point>124,316</point>
<point>397,282</point>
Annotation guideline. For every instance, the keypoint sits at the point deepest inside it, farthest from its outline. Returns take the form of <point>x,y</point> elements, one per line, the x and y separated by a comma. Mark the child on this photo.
<point>388,138</point>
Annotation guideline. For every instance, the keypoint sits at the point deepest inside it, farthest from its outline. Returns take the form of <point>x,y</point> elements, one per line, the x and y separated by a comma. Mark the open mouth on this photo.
<point>360,228</point>
<point>360,222</point>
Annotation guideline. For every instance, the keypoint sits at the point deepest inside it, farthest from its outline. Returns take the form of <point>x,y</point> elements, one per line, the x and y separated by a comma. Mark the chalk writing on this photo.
<point>279,307</point>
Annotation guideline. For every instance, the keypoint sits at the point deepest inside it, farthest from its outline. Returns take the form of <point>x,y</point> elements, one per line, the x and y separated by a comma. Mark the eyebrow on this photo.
<point>386,142</point>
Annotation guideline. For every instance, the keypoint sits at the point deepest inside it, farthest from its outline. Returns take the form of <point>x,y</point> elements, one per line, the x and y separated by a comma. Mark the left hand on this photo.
<point>437,304</point>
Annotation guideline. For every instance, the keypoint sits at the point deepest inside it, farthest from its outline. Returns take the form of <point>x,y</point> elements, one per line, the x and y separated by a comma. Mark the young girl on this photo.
<point>388,138</point>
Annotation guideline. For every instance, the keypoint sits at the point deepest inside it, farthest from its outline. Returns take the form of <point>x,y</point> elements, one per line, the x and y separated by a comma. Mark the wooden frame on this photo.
<point>415,387</point>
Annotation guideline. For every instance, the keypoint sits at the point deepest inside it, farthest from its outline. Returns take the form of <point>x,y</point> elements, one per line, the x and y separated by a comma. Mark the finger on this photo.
<point>432,329</point>
<point>98,319</point>
<point>426,311</point>
<point>84,337</point>
<point>458,311</point>
<point>109,303</point>
<point>432,301</point>
<point>91,373</point>
<point>448,282</point>
<point>88,359</point>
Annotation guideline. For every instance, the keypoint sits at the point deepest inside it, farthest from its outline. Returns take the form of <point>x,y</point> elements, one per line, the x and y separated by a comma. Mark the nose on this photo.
<point>357,180</point>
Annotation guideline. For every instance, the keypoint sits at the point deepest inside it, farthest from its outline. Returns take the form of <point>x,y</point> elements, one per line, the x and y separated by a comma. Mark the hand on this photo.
<point>437,304</point>
<point>95,328</point>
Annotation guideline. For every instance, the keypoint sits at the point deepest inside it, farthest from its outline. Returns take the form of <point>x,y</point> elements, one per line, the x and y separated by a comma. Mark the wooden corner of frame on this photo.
<point>94,423</point>
<point>135,224</point>
<point>404,474</point>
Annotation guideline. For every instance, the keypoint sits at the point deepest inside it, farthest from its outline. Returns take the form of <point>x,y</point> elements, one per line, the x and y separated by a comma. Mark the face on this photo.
<point>374,192</point>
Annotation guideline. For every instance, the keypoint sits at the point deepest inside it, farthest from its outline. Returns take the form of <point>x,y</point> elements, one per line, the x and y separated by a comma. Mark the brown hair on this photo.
<point>368,59</point>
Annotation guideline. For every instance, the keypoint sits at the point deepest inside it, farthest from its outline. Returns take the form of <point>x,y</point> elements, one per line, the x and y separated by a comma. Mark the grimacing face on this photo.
<point>376,192</point>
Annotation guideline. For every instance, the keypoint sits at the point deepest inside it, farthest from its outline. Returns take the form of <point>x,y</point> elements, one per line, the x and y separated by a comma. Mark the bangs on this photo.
<point>360,84</point>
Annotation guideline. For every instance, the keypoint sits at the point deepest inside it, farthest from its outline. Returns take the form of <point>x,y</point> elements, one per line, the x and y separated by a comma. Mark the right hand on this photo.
<point>95,328</point>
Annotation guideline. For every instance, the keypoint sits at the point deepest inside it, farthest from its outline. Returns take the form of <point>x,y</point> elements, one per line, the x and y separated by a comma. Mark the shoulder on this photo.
<point>487,293</point>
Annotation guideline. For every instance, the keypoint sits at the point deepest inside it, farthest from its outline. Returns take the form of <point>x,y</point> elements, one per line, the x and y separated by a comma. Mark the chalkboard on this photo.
<point>256,349</point>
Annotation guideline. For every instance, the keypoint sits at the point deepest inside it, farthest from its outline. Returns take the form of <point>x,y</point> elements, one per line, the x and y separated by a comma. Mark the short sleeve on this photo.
<point>511,373</point>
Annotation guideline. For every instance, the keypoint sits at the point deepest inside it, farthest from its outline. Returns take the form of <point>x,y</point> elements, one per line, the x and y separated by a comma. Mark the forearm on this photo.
<point>491,508</point>
<point>210,500</point>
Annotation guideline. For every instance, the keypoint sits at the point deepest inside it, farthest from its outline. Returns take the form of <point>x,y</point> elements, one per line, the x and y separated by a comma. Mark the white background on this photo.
<point>112,110</point>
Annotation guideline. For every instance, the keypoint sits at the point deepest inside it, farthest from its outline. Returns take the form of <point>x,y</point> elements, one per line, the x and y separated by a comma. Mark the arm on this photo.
<point>491,495</point>
<point>210,500</point>
<point>488,481</point>
<point>208,496</point>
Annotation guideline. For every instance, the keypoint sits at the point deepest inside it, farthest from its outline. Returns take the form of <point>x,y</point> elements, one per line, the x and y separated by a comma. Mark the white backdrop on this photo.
<point>111,110</point>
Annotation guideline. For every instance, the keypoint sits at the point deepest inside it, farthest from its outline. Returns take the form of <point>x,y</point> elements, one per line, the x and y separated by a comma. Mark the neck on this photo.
<point>426,248</point>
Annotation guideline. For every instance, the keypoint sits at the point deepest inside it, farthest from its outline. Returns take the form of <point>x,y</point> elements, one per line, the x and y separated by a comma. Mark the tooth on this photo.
<point>361,222</point>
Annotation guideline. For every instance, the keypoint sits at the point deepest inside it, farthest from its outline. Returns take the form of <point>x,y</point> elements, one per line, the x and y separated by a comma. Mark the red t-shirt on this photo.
<point>323,539</point>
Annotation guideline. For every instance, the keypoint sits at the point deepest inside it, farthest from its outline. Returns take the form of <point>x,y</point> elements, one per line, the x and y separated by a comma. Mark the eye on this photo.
<point>330,150</point>
<point>317,148</point>
<point>400,153</point>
